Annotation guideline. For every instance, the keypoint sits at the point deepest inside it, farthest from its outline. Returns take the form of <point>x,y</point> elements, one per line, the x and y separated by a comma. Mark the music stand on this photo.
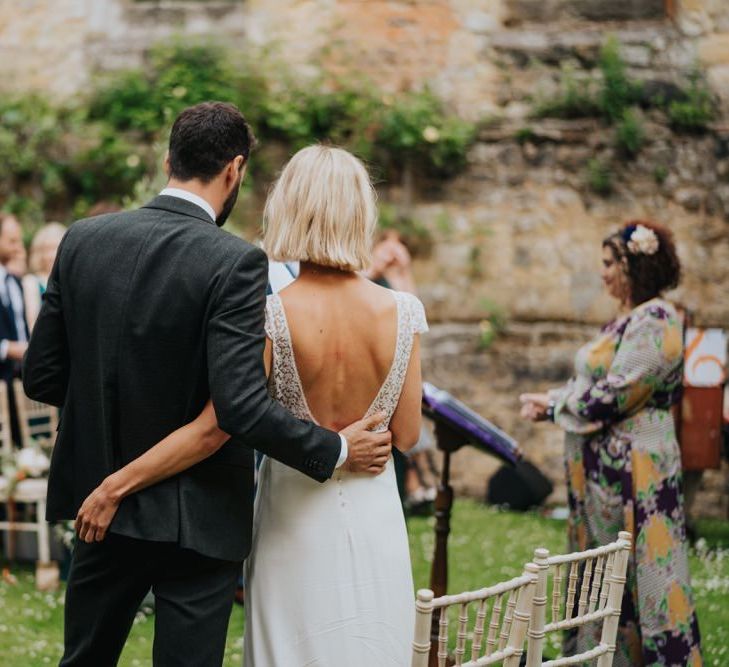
<point>456,425</point>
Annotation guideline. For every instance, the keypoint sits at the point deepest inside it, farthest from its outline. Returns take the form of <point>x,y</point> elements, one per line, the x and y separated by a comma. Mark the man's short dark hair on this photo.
<point>205,137</point>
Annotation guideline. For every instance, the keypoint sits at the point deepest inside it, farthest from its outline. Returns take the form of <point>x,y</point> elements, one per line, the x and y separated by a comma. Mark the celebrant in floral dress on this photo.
<point>622,458</point>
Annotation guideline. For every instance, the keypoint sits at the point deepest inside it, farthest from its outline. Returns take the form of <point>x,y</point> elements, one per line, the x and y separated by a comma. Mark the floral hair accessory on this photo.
<point>640,240</point>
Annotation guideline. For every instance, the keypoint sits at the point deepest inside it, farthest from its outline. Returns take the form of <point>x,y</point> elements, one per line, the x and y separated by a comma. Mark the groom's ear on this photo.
<point>240,164</point>
<point>235,169</point>
<point>167,164</point>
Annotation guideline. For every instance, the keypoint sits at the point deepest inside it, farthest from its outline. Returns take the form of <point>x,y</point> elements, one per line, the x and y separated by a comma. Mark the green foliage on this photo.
<point>176,76</point>
<point>599,177</point>
<point>410,128</point>
<point>524,135</point>
<point>340,115</point>
<point>695,112</point>
<point>576,97</point>
<point>53,160</point>
<point>660,173</point>
<point>618,91</point>
<point>415,130</point>
<point>56,161</point>
<point>493,323</point>
<point>588,97</point>
<point>33,157</point>
<point>630,133</point>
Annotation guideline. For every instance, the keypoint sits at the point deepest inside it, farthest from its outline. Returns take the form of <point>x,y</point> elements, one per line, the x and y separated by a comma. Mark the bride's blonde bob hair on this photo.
<point>323,210</point>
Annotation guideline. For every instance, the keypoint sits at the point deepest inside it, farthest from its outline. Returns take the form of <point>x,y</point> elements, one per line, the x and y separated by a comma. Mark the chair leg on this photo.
<point>44,538</point>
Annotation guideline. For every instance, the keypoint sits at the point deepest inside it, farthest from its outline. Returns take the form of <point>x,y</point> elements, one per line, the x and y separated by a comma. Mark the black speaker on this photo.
<point>518,487</point>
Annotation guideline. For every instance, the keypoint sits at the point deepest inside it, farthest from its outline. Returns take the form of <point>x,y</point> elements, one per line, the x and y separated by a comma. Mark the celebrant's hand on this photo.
<point>534,407</point>
<point>96,513</point>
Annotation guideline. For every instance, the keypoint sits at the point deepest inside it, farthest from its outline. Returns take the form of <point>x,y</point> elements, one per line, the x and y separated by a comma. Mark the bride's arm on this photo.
<point>405,423</point>
<point>180,450</point>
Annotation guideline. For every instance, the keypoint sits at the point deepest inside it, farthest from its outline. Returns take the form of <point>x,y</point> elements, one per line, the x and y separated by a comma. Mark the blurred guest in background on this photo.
<point>392,268</point>
<point>14,332</point>
<point>391,263</point>
<point>42,254</point>
<point>18,265</point>
<point>623,461</point>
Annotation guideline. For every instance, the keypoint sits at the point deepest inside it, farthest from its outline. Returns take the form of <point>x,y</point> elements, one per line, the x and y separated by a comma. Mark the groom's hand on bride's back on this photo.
<point>367,451</point>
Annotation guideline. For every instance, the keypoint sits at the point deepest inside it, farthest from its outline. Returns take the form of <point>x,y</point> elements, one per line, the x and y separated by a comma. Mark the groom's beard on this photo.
<point>228,205</point>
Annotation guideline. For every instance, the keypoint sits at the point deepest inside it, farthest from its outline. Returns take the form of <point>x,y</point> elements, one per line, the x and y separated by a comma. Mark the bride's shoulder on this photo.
<point>413,308</point>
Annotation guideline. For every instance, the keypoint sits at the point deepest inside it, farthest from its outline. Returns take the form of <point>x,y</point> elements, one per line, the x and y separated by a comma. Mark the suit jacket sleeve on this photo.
<point>237,378</point>
<point>47,364</point>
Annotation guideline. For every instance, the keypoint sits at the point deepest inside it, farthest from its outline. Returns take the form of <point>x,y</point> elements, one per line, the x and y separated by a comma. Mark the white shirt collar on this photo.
<point>192,198</point>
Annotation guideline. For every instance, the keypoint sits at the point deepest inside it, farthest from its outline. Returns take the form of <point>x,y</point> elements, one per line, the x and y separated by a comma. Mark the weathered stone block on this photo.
<point>600,10</point>
<point>714,49</point>
<point>690,198</point>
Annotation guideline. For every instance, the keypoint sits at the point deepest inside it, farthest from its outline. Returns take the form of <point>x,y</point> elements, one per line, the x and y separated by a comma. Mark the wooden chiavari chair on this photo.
<point>585,587</point>
<point>502,642</point>
<point>38,422</point>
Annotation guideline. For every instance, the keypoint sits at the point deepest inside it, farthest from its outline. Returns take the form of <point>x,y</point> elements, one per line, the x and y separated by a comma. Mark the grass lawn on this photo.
<point>486,546</point>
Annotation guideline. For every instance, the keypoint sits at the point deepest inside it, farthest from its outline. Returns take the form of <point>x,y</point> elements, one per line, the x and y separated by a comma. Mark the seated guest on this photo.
<point>43,249</point>
<point>14,332</point>
<point>622,458</point>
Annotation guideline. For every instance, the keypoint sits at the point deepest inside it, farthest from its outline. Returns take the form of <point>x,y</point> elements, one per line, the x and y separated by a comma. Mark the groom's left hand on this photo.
<point>96,513</point>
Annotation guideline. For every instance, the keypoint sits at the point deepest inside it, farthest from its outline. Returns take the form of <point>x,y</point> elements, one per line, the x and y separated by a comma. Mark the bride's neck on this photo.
<point>317,271</point>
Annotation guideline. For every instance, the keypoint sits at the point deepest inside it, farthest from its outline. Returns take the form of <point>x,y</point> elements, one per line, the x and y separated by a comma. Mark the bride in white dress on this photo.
<point>328,580</point>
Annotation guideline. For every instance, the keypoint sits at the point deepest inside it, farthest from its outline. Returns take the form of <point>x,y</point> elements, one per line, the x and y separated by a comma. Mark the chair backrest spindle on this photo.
<point>506,635</point>
<point>599,575</point>
<point>478,630</point>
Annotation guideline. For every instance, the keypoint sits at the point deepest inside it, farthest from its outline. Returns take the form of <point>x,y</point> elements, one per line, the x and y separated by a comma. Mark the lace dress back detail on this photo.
<point>285,383</point>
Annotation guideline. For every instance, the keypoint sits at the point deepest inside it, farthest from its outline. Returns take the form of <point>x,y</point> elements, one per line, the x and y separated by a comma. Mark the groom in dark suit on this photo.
<point>149,313</point>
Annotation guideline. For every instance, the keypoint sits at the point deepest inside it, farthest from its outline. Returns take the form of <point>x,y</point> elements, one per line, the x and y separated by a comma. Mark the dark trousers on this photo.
<point>109,579</point>
<point>13,407</point>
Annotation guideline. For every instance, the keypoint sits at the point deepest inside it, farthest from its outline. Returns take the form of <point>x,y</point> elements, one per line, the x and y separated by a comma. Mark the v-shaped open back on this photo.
<point>285,382</point>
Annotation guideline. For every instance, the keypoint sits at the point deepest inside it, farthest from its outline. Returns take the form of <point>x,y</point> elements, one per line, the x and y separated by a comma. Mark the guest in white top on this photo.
<point>43,249</point>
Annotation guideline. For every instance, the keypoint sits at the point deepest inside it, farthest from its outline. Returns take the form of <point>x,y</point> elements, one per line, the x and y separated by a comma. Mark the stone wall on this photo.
<point>456,46</point>
<point>524,229</point>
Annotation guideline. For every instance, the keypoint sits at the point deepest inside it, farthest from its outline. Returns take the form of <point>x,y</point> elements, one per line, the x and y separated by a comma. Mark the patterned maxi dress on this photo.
<point>624,473</point>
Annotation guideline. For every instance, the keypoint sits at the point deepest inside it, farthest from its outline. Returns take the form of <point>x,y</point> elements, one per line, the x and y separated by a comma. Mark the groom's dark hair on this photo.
<point>205,137</point>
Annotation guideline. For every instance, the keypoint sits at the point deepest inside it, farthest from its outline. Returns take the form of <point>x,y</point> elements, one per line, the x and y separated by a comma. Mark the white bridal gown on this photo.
<point>328,580</point>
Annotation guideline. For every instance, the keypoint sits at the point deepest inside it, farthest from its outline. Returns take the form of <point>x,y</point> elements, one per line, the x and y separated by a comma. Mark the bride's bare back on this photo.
<point>343,330</point>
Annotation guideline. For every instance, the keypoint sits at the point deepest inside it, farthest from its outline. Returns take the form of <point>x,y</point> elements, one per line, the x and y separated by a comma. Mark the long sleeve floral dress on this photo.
<point>624,473</point>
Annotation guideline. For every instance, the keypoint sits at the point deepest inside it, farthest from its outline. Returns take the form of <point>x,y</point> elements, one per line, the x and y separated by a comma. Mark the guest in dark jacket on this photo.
<point>13,327</point>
